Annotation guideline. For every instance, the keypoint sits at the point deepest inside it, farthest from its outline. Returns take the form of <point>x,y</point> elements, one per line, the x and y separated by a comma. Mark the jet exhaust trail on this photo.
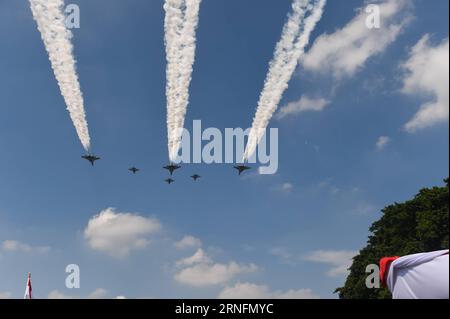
<point>180,26</point>
<point>57,40</point>
<point>290,48</point>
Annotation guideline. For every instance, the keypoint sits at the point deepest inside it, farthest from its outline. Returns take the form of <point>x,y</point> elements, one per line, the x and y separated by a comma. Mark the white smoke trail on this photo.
<point>294,39</point>
<point>180,26</point>
<point>57,39</point>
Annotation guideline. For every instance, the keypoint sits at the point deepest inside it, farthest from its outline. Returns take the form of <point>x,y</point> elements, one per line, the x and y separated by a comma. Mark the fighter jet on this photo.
<point>242,168</point>
<point>169,181</point>
<point>134,170</point>
<point>195,177</point>
<point>91,158</point>
<point>172,168</point>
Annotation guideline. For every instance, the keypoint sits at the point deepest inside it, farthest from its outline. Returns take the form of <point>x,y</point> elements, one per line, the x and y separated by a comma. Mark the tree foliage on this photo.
<point>418,225</point>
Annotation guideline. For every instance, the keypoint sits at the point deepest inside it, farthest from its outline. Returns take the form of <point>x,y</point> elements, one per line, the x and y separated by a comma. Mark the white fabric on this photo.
<point>420,276</point>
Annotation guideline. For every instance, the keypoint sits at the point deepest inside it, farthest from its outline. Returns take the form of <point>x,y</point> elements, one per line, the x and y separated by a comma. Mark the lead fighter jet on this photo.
<point>195,177</point>
<point>242,168</point>
<point>172,168</point>
<point>169,181</point>
<point>134,170</point>
<point>91,158</point>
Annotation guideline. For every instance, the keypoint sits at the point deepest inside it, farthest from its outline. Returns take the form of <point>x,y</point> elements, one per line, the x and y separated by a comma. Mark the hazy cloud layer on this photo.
<point>99,293</point>
<point>252,291</point>
<point>17,246</point>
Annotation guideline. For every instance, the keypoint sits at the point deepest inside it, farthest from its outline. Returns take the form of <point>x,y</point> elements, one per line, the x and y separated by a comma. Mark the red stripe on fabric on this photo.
<point>384,268</point>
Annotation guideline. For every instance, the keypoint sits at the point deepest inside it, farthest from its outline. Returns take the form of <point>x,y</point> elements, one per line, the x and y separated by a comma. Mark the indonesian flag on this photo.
<point>419,276</point>
<point>28,289</point>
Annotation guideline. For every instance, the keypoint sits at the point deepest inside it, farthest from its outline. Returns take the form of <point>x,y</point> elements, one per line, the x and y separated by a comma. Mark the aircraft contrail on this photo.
<point>290,48</point>
<point>57,40</point>
<point>180,26</point>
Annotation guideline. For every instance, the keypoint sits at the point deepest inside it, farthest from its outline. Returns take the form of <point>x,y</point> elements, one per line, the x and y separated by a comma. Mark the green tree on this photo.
<point>418,225</point>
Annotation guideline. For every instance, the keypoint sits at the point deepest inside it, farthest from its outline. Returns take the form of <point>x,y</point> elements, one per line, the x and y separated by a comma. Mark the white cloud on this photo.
<point>252,291</point>
<point>345,51</point>
<point>55,294</point>
<point>382,142</point>
<point>427,72</point>
<point>201,271</point>
<point>303,105</point>
<point>211,274</point>
<point>188,242</point>
<point>284,188</point>
<point>16,246</point>
<point>339,260</point>
<point>5,295</point>
<point>99,293</point>
<point>198,257</point>
<point>287,187</point>
<point>118,233</point>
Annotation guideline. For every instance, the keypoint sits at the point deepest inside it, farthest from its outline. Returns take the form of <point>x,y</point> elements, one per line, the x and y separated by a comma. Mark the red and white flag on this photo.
<point>28,289</point>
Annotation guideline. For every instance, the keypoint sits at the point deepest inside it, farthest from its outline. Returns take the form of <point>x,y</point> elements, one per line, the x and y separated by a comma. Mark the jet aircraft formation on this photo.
<point>171,168</point>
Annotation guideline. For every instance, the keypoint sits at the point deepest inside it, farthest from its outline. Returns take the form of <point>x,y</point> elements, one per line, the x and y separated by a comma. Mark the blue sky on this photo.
<point>292,232</point>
